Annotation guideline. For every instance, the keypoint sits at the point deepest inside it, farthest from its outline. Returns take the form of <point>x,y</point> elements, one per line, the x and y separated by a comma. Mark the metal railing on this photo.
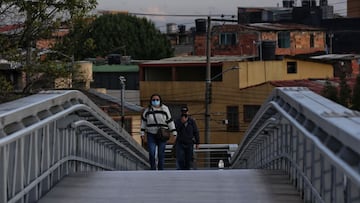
<point>206,157</point>
<point>313,139</point>
<point>47,136</point>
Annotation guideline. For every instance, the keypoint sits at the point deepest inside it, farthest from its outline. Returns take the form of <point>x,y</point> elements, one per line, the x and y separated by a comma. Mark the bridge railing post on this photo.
<point>3,172</point>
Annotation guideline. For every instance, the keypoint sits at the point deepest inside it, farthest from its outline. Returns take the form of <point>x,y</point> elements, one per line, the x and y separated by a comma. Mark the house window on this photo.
<point>284,39</point>
<point>232,113</point>
<point>250,112</point>
<point>291,67</point>
<point>227,39</point>
<point>312,39</point>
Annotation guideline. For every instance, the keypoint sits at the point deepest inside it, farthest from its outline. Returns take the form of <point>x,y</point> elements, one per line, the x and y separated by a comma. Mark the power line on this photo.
<point>180,15</point>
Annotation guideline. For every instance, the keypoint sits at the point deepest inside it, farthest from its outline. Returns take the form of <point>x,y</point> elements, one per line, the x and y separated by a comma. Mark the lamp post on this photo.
<point>122,83</point>
<point>208,82</point>
<point>331,36</point>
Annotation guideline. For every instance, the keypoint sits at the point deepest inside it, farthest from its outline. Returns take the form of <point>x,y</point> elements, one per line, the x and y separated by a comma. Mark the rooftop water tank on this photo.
<point>288,3</point>
<point>114,59</point>
<point>323,2</point>
<point>182,29</point>
<point>171,28</point>
<point>308,3</point>
<point>200,25</point>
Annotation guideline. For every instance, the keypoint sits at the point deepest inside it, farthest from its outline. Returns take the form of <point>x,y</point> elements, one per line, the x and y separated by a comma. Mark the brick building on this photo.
<point>353,8</point>
<point>262,39</point>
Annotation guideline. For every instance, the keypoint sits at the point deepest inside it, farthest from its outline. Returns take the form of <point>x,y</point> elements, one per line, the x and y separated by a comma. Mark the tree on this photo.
<point>356,95</point>
<point>329,91</point>
<point>5,86</point>
<point>36,19</point>
<point>119,33</point>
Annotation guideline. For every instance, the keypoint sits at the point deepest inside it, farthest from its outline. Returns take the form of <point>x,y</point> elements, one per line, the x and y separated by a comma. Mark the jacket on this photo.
<point>163,118</point>
<point>188,132</point>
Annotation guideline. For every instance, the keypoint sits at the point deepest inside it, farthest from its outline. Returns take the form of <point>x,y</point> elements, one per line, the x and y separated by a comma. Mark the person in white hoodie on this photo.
<point>156,115</point>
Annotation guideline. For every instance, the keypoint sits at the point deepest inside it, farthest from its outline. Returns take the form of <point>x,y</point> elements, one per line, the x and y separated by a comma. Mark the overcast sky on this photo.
<point>195,7</point>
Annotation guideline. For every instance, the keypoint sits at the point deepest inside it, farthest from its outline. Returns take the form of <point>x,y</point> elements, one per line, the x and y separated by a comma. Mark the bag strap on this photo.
<point>155,117</point>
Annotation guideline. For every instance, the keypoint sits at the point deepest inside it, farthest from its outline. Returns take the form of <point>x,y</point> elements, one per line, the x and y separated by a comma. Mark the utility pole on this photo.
<point>122,83</point>
<point>208,82</point>
<point>71,71</point>
<point>331,36</point>
<point>28,43</point>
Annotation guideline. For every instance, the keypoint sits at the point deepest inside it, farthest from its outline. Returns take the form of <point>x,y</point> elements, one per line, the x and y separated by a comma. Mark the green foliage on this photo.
<point>5,86</point>
<point>356,95</point>
<point>43,74</point>
<point>120,33</point>
<point>330,91</point>
<point>37,20</point>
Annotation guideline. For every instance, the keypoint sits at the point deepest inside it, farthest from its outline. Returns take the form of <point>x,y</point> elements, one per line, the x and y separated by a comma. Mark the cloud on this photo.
<point>154,11</point>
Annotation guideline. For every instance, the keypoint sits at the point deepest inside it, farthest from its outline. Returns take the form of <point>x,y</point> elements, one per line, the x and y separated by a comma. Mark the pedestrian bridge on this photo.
<point>57,146</point>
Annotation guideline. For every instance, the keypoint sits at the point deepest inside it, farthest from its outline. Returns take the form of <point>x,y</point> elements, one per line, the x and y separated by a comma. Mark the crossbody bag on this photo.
<point>162,134</point>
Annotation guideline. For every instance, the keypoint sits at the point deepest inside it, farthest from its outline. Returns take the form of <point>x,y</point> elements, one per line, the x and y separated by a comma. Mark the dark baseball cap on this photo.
<point>184,109</point>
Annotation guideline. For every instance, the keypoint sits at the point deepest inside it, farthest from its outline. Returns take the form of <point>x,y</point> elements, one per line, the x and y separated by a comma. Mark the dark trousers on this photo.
<point>184,156</point>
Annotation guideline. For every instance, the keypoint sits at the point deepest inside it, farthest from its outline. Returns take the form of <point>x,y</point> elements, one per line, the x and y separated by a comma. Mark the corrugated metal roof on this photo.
<point>280,26</point>
<point>198,59</point>
<point>115,68</point>
<point>10,28</point>
<point>314,85</point>
<point>337,57</point>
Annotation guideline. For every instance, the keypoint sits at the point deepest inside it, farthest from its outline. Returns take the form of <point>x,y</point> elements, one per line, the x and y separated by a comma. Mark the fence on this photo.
<point>47,136</point>
<point>312,139</point>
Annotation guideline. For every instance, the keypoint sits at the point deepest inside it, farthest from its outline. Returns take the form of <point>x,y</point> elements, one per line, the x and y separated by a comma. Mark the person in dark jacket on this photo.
<point>187,136</point>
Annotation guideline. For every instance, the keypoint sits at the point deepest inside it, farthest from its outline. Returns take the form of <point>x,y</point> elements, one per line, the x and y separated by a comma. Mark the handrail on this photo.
<point>207,157</point>
<point>293,132</point>
<point>46,136</point>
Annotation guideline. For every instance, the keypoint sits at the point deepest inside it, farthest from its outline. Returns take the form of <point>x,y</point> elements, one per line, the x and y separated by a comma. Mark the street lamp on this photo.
<point>122,83</point>
<point>331,36</point>
<point>226,70</point>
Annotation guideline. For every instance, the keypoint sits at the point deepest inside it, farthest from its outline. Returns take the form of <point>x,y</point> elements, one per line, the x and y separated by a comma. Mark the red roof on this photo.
<point>314,85</point>
<point>7,28</point>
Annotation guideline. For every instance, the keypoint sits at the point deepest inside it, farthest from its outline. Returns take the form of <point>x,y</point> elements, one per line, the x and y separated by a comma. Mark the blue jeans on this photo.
<point>152,143</point>
<point>184,156</point>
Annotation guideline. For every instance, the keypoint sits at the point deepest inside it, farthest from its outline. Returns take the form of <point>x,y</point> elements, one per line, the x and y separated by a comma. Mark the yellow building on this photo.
<point>181,81</point>
<point>257,72</point>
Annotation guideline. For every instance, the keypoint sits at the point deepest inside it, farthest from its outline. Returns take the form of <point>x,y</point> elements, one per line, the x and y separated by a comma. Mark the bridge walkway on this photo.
<point>237,185</point>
